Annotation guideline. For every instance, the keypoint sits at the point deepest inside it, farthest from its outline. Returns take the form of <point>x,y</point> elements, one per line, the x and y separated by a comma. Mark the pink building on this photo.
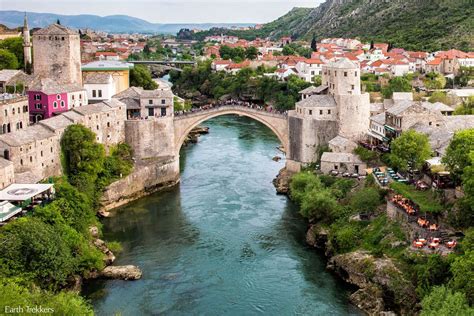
<point>47,98</point>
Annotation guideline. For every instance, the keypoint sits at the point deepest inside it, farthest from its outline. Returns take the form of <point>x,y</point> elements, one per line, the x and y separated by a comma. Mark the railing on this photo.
<point>243,107</point>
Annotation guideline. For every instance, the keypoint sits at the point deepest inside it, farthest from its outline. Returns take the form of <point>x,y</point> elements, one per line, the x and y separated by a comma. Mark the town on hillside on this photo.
<point>365,112</point>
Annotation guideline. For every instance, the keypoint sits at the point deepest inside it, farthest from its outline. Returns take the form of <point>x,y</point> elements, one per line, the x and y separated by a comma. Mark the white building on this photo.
<point>309,68</point>
<point>99,87</point>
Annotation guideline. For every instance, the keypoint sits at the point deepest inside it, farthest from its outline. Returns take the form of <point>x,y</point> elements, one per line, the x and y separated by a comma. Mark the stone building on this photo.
<point>35,150</point>
<point>99,86</point>
<point>343,81</point>
<point>47,98</point>
<point>342,162</point>
<point>14,114</point>
<point>7,173</point>
<point>120,72</point>
<point>335,108</point>
<point>57,54</point>
<point>147,103</point>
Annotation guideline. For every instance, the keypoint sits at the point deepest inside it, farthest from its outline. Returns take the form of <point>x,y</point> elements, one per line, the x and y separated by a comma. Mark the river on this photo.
<point>221,242</point>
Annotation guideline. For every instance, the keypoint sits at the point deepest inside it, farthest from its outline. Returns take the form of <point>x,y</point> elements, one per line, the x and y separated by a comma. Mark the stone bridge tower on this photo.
<point>57,54</point>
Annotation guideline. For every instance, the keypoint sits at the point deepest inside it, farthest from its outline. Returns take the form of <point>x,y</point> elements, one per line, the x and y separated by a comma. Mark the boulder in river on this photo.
<point>128,272</point>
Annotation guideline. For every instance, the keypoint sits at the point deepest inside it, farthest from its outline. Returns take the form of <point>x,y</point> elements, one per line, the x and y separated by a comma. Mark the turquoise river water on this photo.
<point>221,242</point>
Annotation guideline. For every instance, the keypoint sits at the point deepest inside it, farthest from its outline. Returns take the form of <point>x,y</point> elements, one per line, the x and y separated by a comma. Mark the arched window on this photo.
<point>55,104</point>
<point>21,162</point>
<point>62,103</point>
<point>8,128</point>
<point>58,97</point>
<point>4,128</point>
<point>6,154</point>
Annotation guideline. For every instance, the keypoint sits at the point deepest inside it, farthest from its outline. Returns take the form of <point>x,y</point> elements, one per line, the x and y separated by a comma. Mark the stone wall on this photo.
<point>147,177</point>
<point>150,138</point>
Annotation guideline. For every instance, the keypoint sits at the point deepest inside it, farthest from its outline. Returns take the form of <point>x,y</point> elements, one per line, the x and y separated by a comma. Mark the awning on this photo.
<point>22,192</point>
<point>390,128</point>
<point>8,210</point>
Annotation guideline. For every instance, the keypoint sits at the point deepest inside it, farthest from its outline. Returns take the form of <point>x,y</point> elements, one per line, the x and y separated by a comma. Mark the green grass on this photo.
<point>426,200</point>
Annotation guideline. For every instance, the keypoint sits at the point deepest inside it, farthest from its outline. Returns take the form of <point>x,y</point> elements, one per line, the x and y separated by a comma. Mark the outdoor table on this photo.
<point>433,245</point>
<point>418,244</point>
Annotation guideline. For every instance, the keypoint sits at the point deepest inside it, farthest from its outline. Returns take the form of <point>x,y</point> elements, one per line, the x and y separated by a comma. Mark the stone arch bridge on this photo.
<point>184,123</point>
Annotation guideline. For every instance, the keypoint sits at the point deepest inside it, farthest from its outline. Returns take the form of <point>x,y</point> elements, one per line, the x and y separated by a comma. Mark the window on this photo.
<point>150,101</point>
<point>38,106</point>
<point>163,101</point>
<point>41,153</point>
<point>335,73</point>
<point>99,92</point>
<point>97,127</point>
<point>329,111</point>
<point>430,123</point>
<point>320,112</point>
<point>94,94</point>
<point>62,103</point>
<point>151,112</point>
<point>356,73</point>
<point>37,97</point>
<point>6,112</point>
<point>13,111</point>
<point>80,96</point>
<point>352,87</point>
<point>58,97</point>
<point>55,104</point>
<point>345,73</point>
<point>310,112</point>
<point>25,108</point>
<point>108,124</point>
<point>72,97</point>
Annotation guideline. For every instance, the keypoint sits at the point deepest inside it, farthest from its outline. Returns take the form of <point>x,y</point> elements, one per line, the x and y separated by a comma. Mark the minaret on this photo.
<point>26,44</point>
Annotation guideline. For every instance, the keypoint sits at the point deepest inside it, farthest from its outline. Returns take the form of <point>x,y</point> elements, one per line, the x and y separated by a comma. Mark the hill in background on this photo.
<point>412,24</point>
<point>111,24</point>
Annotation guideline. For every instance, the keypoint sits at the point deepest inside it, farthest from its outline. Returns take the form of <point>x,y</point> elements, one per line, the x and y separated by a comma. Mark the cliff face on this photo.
<point>429,25</point>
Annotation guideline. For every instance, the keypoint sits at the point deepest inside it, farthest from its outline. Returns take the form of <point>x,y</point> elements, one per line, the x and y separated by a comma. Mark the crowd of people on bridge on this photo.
<point>231,102</point>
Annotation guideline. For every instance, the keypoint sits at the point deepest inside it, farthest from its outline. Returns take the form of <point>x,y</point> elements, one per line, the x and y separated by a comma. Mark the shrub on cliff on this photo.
<point>444,302</point>
<point>20,295</point>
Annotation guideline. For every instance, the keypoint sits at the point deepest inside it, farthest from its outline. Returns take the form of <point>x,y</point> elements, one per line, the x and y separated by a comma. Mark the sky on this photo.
<point>168,11</point>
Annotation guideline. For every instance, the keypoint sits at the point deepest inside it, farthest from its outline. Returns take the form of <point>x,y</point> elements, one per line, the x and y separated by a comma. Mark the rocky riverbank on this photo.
<point>127,272</point>
<point>382,287</point>
<point>282,181</point>
<point>194,134</point>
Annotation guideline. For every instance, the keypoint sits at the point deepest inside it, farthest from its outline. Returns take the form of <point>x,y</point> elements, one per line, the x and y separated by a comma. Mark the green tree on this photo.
<point>434,80</point>
<point>8,60</point>
<point>397,84</point>
<point>251,53</point>
<point>457,154</point>
<point>410,150</point>
<point>301,183</point>
<point>317,81</point>
<point>140,76</point>
<point>466,108</point>
<point>314,44</point>
<point>63,303</point>
<point>444,302</point>
<point>288,50</point>
<point>15,46</point>
<point>319,204</point>
<point>31,247</point>
<point>365,200</point>
<point>463,274</point>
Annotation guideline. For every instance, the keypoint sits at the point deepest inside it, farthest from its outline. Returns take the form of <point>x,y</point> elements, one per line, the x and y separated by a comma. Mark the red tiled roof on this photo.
<point>434,62</point>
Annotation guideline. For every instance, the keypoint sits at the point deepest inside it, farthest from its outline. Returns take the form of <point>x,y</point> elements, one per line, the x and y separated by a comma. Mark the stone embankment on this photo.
<point>147,177</point>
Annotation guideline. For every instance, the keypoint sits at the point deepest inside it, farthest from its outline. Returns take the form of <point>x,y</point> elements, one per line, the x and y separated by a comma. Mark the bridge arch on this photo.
<point>183,125</point>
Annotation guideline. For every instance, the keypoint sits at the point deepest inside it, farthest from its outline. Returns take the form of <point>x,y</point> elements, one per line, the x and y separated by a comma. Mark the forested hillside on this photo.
<point>415,25</point>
